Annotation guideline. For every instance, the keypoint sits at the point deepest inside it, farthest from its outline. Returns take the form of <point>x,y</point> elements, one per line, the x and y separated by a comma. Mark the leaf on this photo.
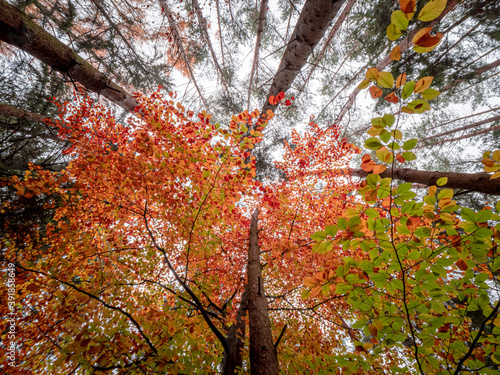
<point>398,18</point>
<point>462,265</point>
<point>408,6</point>
<point>33,287</point>
<point>393,32</point>
<point>385,79</point>
<point>432,10</point>
<point>419,105</point>
<point>373,143</point>
<point>424,42</point>
<point>392,98</point>
<point>423,84</point>
<point>395,54</point>
<point>379,169</point>
<point>430,94</point>
<point>408,89</point>
<point>401,80</point>
<point>364,84</point>
<point>318,236</point>
<point>442,181</point>
<point>375,92</point>
<point>372,74</point>
<point>410,144</point>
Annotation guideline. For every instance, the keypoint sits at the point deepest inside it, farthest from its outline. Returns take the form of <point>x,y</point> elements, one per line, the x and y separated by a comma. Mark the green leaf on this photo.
<point>393,32</point>
<point>432,10</point>
<point>364,84</point>
<point>409,156</point>
<point>430,94</point>
<point>419,105</point>
<point>442,181</point>
<point>398,18</point>
<point>305,294</point>
<point>388,119</point>
<point>331,230</point>
<point>409,145</point>
<point>373,143</point>
<point>408,89</point>
<point>384,137</point>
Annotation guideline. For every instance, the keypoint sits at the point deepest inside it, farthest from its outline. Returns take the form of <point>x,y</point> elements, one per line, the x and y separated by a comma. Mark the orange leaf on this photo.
<point>272,100</point>
<point>462,265</point>
<point>424,39</point>
<point>379,169</point>
<point>400,158</point>
<point>401,80</point>
<point>375,92</point>
<point>408,6</point>
<point>395,53</point>
<point>423,84</point>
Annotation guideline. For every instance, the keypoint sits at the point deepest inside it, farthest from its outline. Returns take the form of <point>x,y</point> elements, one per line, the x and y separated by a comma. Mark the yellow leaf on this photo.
<point>423,84</point>
<point>310,281</point>
<point>393,32</point>
<point>364,84</point>
<point>432,10</point>
<point>385,79</point>
<point>495,175</point>
<point>496,155</point>
<point>432,190</point>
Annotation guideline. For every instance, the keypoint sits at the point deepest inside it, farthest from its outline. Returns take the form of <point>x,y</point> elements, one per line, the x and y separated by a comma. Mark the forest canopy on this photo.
<point>250,187</point>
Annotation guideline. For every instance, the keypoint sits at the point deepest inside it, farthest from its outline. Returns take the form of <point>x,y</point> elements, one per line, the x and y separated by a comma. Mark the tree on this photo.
<point>152,250</point>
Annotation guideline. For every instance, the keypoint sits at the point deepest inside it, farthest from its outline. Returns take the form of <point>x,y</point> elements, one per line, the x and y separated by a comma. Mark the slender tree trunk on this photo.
<point>470,126</point>
<point>403,45</point>
<point>258,41</point>
<point>17,29</point>
<point>487,130</point>
<point>479,182</point>
<point>263,356</point>
<point>204,28</point>
<point>182,51</point>
<point>315,17</point>
<point>476,74</point>
<point>233,358</point>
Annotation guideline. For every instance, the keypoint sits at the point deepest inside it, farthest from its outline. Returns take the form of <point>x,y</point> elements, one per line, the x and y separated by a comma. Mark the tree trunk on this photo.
<point>17,29</point>
<point>312,24</point>
<point>233,359</point>
<point>338,23</point>
<point>479,182</point>
<point>470,126</point>
<point>403,45</point>
<point>263,356</point>
<point>178,41</point>
<point>204,29</point>
<point>258,40</point>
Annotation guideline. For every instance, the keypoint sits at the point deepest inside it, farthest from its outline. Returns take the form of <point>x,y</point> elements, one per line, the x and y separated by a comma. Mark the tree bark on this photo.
<point>263,356</point>
<point>233,359</point>
<point>18,30</point>
<point>403,45</point>
<point>338,23</point>
<point>315,17</point>
<point>479,182</point>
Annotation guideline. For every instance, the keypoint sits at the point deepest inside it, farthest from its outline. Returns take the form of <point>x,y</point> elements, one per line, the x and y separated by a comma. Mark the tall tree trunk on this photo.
<point>338,23</point>
<point>315,17</point>
<point>17,29</point>
<point>403,45</point>
<point>447,140</point>
<point>256,51</point>
<point>479,182</point>
<point>263,356</point>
